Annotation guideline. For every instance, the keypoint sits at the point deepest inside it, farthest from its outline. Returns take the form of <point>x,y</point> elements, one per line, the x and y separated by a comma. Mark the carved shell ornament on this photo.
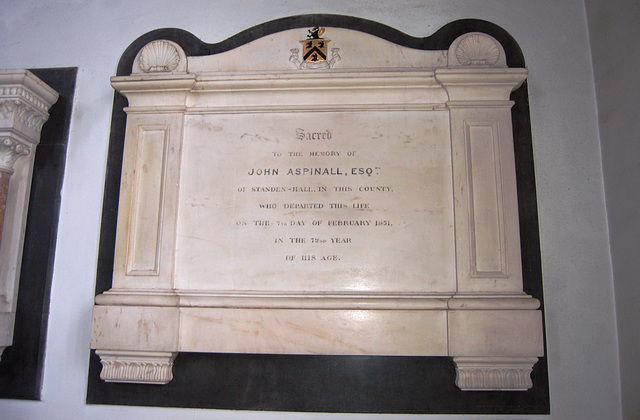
<point>159,56</point>
<point>477,50</point>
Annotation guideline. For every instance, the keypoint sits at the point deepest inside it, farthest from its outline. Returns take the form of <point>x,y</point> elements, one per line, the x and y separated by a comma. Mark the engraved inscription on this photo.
<point>325,173</point>
<point>295,195</point>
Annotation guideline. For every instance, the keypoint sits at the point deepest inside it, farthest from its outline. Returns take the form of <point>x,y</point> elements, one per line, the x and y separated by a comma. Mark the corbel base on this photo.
<point>494,373</point>
<point>140,367</point>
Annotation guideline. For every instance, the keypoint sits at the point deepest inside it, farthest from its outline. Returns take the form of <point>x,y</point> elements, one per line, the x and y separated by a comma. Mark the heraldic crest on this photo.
<point>314,51</point>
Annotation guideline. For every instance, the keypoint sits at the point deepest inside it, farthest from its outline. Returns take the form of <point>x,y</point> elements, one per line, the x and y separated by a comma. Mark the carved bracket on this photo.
<point>142,367</point>
<point>494,373</point>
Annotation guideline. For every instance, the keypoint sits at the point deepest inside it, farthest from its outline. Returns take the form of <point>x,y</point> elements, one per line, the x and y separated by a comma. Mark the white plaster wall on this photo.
<point>614,33</point>
<point>581,327</point>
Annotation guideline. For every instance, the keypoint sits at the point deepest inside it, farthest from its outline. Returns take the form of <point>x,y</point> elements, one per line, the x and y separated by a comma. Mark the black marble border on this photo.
<point>22,364</point>
<point>358,384</point>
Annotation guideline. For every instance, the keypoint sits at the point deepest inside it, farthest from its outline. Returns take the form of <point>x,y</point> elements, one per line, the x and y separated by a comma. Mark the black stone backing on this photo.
<point>22,364</point>
<point>357,384</point>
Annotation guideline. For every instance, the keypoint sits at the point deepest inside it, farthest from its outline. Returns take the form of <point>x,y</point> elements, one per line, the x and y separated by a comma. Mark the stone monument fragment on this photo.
<point>24,104</point>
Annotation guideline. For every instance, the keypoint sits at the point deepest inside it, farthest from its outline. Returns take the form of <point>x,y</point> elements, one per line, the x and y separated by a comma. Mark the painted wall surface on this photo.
<point>614,32</point>
<point>92,35</point>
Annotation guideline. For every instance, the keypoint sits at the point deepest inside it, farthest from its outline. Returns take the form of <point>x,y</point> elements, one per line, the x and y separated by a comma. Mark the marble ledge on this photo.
<point>299,108</point>
<point>414,90</point>
<point>345,301</point>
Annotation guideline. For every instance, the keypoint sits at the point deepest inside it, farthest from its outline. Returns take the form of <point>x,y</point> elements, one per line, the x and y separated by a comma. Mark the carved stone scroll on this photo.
<point>362,203</point>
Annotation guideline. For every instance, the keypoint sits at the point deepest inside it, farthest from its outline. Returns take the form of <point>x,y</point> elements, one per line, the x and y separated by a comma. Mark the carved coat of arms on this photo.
<point>314,51</point>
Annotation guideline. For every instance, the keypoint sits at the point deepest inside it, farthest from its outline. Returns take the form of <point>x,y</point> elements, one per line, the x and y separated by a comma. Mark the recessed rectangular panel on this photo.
<point>145,228</point>
<point>487,247</point>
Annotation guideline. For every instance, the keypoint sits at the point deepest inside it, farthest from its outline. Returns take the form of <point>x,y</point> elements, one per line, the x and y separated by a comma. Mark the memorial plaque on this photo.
<point>355,198</point>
